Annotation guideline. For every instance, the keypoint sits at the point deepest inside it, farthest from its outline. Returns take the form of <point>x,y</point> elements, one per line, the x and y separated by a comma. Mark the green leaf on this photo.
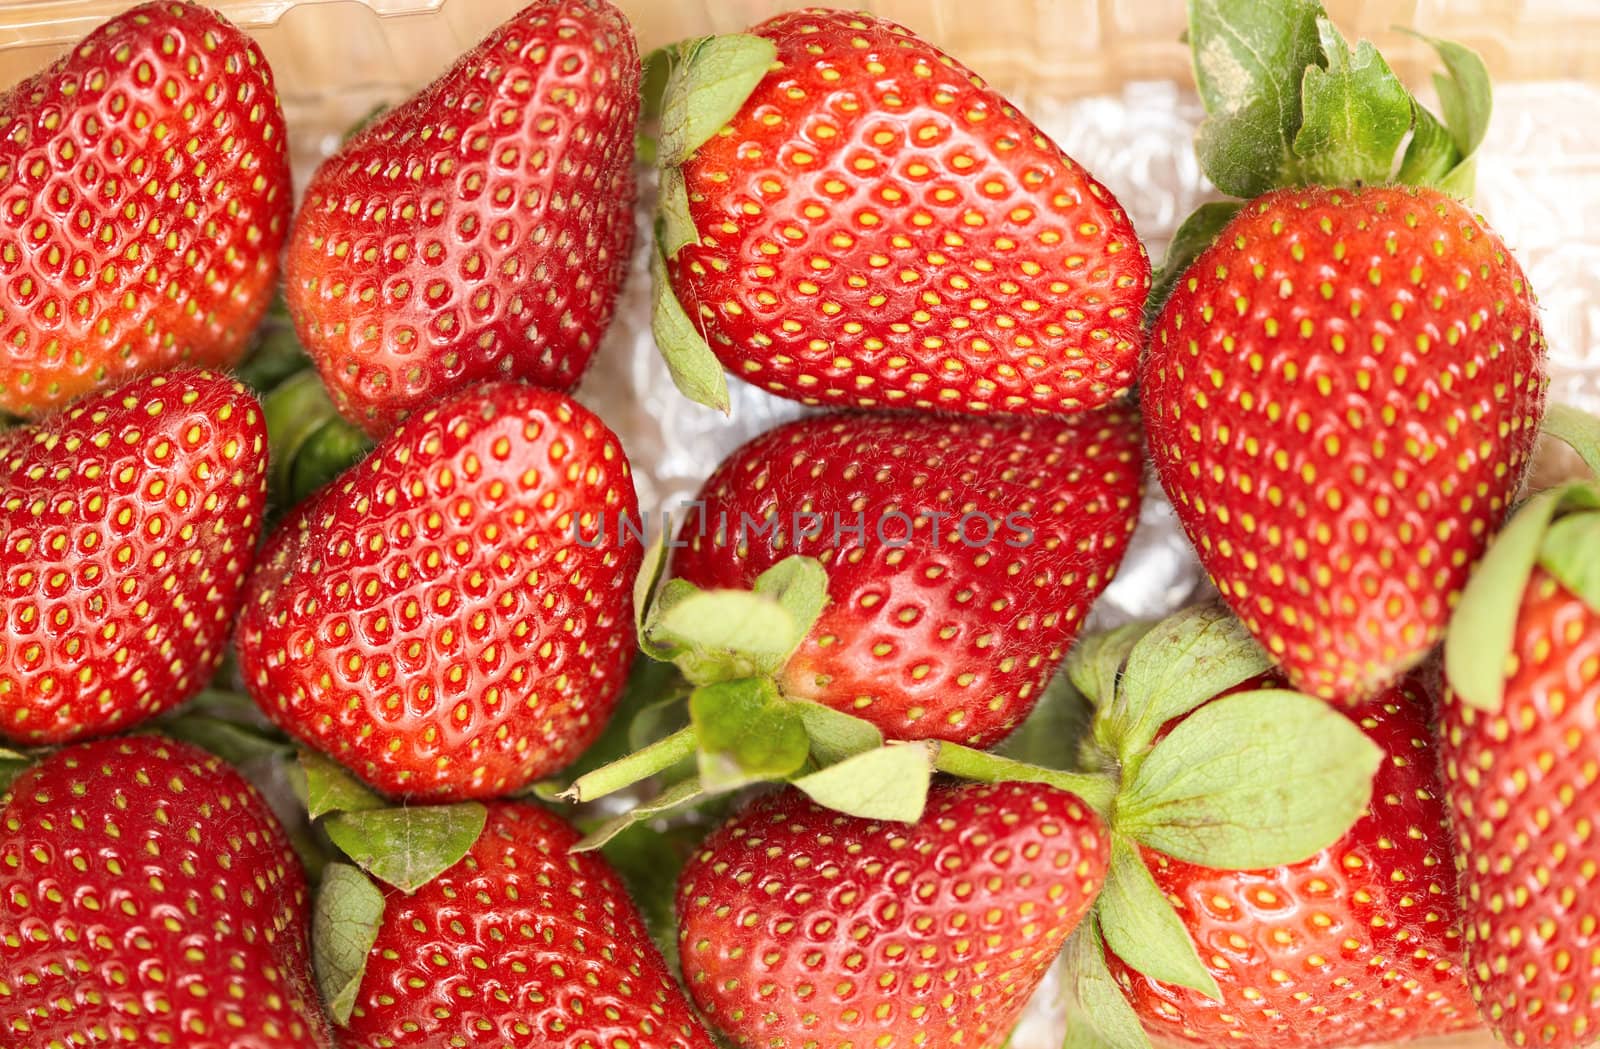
<point>1484,623</point>
<point>677,224</point>
<point>1466,95</point>
<point>228,740</point>
<point>1098,1014</point>
<point>655,69</point>
<point>706,87</point>
<point>725,635</point>
<point>330,787</point>
<point>1571,553</point>
<point>1252,780</point>
<point>294,412</point>
<point>407,847</point>
<point>330,451</point>
<point>277,353</point>
<point>1094,789</point>
<point>834,734</point>
<point>1432,153</point>
<point>680,795</point>
<point>1355,112</point>
<point>344,925</point>
<point>1095,663</point>
<point>1578,430</point>
<point>800,587</point>
<point>748,733</point>
<point>1249,60</point>
<point>695,370</point>
<point>653,760</point>
<point>1195,655</point>
<point>645,585</point>
<point>1192,238</point>
<point>890,783</point>
<point>1139,924</point>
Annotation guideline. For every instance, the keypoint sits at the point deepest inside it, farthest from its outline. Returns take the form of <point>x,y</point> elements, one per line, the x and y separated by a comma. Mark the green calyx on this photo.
<point>402,846</point>
<point>1223,782</point>
<point>693,90</point>
<point>309,442</point>
<point>1558,530</point>
<point>734,727</point>
<point>1289,103</point>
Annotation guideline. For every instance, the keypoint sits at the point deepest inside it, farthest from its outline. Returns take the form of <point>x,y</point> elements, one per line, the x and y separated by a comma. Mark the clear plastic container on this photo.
<point>1109,79</point>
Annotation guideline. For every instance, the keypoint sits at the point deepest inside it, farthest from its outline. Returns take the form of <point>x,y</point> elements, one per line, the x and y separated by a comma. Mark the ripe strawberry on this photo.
<point>962,555</point>
<point>144,183</point>
<point>480,230</point>
<point>452,617</point>
<point>802,927</point>
<point>875,227</point>
<point>148,896</point>
<point>1357,945</point>
<point>522,943</point>
<point>127,526</point>
<point>1342,395</point>
<point>1521,780</point>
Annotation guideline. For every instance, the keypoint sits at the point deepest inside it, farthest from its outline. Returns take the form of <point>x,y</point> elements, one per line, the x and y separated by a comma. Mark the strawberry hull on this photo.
<point>144,189</point>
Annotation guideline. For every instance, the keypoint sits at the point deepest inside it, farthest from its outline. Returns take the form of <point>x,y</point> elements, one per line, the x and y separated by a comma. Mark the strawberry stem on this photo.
<point>1097,790</point>
<point>653,760</point>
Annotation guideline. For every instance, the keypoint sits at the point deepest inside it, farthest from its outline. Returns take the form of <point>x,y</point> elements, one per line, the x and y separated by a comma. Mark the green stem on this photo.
<point>1097,790</point>
<point>1578,429</point>
<point>653,760</point>
<point>309,441</point>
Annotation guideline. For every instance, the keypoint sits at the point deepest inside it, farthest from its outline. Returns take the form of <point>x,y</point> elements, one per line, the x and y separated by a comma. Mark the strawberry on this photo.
<point>522,943</point>
<point>1341,396</point>
<point>961,555</point>
<point>451,618</point>
<point>1520,749</point>
<point>1358,944</point>
<point>127,526</point>
<point>150,897</point>
<point>802,927</point>
<point>862,222</point>
<point>144,183</point>
<point>481,229</point>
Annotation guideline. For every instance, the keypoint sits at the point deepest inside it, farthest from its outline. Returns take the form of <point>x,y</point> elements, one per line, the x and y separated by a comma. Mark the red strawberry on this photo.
<point>523,943</point>
<point>148,896</point>
<point>1341,396</point>
<point>802,927</point>
<point>480,230</point>
<point>1357,945</point>
<point>127,526</point>
<point>1521,768</point>
<point>874,227</point>
<point>144,189</point>
<point>977,551</point>
<point>452,618</point>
